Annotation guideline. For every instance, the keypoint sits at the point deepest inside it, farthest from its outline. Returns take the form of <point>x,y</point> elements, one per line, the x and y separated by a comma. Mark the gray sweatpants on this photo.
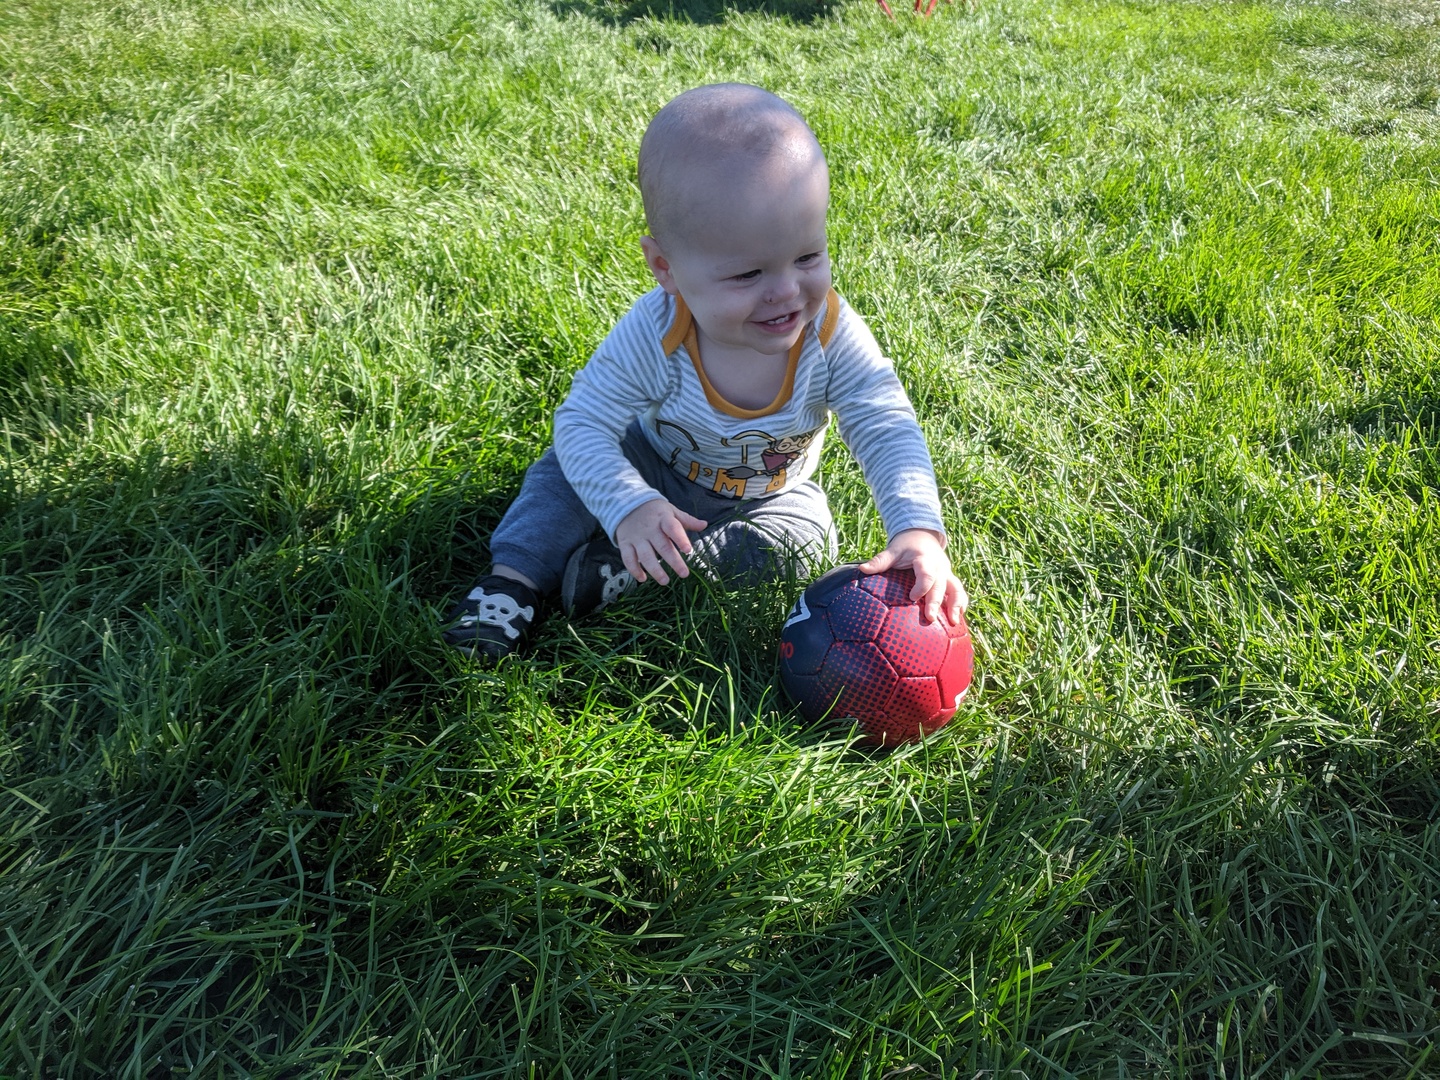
<point>745,541</point>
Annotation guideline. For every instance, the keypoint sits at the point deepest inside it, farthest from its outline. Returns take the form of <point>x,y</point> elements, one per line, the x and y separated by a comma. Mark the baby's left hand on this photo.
<point>936,585</point>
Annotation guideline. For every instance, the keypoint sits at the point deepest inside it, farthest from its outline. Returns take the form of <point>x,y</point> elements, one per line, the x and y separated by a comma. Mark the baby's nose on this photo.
<point>783,287</point>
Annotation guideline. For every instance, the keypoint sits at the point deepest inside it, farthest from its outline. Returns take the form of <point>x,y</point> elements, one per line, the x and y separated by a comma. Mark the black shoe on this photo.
<point>494,618</point>
<point>594,577</point>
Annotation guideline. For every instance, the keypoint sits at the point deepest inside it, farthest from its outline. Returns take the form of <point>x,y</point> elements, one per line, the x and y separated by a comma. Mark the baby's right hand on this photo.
<point>652,535</point>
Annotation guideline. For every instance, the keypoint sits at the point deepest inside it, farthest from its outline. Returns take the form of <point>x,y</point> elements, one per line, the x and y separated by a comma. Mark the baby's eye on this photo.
<point>806,260</point>
<point>749,275</point>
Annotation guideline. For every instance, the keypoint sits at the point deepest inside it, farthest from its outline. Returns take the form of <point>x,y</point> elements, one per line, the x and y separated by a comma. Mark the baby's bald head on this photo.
<point>710,140</point>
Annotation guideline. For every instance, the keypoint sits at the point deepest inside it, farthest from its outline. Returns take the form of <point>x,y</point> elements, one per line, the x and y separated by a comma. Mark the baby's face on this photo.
<point>751,262</point>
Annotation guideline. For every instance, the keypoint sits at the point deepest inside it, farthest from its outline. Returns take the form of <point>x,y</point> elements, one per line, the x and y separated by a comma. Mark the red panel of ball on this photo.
<point>953,676</point>
<point>913,647</point>
<point>912,699</point>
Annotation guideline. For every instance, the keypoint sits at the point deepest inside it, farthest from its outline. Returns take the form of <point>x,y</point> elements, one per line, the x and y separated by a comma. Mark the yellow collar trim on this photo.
<point>683,332</point>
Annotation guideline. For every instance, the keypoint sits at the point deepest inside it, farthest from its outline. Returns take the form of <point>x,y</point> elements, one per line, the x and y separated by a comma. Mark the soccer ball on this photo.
<point>854,648</point>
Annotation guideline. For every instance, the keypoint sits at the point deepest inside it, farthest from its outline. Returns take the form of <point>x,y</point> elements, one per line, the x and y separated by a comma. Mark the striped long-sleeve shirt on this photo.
<point>649,367</point>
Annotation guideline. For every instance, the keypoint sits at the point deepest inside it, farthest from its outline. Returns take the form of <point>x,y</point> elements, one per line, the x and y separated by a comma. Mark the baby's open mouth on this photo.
<point>779,320</point>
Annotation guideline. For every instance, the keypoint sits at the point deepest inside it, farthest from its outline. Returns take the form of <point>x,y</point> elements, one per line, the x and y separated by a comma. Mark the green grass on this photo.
<point>289,290</point>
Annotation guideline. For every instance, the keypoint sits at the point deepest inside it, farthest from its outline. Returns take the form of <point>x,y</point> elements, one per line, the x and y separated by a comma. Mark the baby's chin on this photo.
<point>771,344</point>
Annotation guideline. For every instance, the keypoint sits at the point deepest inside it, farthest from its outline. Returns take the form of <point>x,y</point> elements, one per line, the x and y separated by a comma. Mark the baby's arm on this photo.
<point>878,423</point>
<point>627,373</point>
<point>936,586</point>
<point>652,534</point>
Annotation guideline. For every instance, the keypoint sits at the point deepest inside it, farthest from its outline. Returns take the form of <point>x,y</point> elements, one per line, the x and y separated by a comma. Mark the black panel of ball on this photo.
<point>822,590</point>
<point>892,588</point>
<point>862,675</point>
<point>810,694</point>
<point>805,641</point>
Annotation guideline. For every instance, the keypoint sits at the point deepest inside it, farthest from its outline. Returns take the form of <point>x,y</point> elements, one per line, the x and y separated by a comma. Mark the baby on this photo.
<point>692,433</point>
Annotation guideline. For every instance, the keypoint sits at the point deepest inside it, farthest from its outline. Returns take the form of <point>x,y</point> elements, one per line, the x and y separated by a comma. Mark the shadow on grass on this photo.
<point>1419,411</point>
<point>700,12</point>
<point>34,357</point>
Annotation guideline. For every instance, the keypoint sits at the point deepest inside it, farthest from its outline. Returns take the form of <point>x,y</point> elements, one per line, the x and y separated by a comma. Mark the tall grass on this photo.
<point>290,291</point>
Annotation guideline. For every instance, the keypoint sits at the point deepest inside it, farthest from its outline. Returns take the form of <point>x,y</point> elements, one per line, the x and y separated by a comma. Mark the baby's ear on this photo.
<point>659,265</point>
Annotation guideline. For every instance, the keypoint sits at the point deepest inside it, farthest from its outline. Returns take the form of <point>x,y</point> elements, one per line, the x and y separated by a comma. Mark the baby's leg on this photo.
<point>766,539</point>
<point>545,523</point>
<point>540,530</point>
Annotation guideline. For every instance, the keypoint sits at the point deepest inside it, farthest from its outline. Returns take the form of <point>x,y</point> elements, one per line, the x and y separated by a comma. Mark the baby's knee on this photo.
<point>744,553</point>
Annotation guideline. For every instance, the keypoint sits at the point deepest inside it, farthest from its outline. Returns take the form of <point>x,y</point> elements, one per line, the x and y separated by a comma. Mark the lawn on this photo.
<point>289,290</point>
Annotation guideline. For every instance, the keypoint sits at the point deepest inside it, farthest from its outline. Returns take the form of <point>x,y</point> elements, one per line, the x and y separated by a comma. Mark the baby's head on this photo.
<point>736,189</point>
<point>709,142</point>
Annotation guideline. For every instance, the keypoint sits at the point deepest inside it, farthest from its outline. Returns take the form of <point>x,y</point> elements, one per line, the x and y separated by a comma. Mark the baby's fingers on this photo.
<point>630,556</point>
<point>651,562</point>
<point>957,599</point>
<point>929,593</point>
<point>671,553</point>
<point>674,545</point>
<point>879,563</point>
<point>690,522</point>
